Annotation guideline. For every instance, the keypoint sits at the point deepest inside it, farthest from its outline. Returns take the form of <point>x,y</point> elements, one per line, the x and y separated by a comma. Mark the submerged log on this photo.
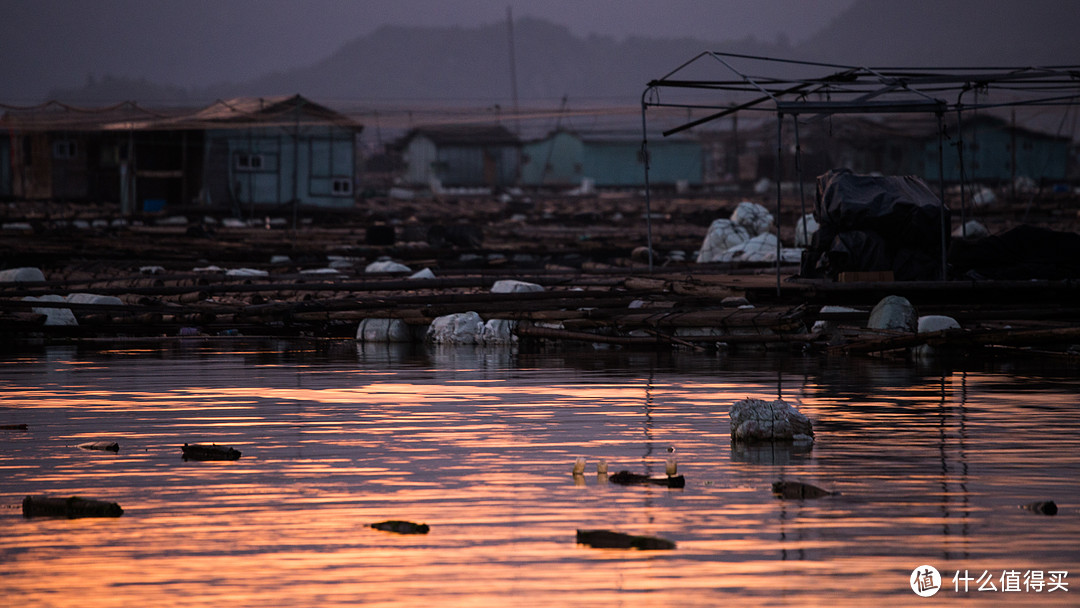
<point>208,451</point>
<point>70,507</point>
<point>626,478</point>
<point>401,527</point>
<point>607,539</point>
<point>1043,507</point>
<point>798,490</point>
<point>106,446</point>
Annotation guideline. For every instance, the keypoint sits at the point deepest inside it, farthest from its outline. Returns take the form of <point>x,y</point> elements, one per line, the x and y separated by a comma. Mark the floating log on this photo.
<point>209,451</point>
<point>401,527</point>
<point>626,478</point>
<point>798,490</point>
<point>1043,507</point>
<point>105,446</point>
<point>14,427</point>
<point>70,507</point>
<point>607,539</point>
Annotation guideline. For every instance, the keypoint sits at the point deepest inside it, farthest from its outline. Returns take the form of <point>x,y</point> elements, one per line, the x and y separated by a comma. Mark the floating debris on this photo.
<point>755,420</point>
<point>401,527</point>
<point>798,490</point>
<point>626,478</point>
<point>205,451</point>
<point>1043,507</point>
<point>14,427</point>
<point>105,446</point>
<point>70,507</point>
<point>607,539</point>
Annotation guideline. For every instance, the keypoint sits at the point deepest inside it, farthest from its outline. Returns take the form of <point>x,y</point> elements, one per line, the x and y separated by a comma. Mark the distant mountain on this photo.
<point>471,66</point>
<point>950,33</point>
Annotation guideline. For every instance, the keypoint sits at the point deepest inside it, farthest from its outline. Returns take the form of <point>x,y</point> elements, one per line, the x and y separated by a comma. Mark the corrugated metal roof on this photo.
<point>465,135</point>
<point>222,114</point>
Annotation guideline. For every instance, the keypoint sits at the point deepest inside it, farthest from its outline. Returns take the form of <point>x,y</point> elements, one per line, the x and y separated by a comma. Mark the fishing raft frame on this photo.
<point>847,89</point>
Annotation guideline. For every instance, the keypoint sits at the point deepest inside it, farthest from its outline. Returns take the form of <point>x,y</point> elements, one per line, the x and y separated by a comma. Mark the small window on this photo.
<point>341,187</point>
<point>65,149</point>
<point>249,162</point>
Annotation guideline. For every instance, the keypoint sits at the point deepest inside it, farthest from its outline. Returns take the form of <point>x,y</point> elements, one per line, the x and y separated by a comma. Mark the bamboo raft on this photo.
<point>595,291</point>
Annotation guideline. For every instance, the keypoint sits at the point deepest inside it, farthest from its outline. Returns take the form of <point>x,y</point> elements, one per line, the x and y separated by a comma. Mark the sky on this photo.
<point>48,44</point>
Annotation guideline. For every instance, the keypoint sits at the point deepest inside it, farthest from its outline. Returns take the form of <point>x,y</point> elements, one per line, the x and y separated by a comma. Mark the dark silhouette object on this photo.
<point>206,451</point>
<point>626,478</point>
<point>607,539</point>
<point>401,527</point>
<point>798,490</point>
<point>71,507</point>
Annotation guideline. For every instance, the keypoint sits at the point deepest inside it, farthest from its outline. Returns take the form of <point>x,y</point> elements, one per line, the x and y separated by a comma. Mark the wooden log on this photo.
<point>14,427</point>
<point>626,478</point>
<point>798,490</point>
<point>209,451</point>
<point>105,446</point>
<point>608,539</point>
<point>70,507</point>
<point>960,337</point>
<point>401,527</point>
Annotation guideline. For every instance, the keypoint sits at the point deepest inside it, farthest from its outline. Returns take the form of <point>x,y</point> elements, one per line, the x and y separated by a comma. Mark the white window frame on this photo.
<point>65,149</point>
<point>341,186</point>
<point>250,162</point>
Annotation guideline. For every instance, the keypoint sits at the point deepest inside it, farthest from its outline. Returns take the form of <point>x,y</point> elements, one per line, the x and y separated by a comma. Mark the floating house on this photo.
<point>461,156</point>
<point>567,159</point>
<point>237,153</point>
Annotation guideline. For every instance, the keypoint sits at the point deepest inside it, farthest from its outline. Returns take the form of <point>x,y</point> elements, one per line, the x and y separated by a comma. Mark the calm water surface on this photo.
<point>931,464</point>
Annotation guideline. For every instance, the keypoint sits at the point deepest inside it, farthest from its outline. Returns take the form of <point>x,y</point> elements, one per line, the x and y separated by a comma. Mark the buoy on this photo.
<point>671,467</point>
<point>601,467</point>
<point>579,466</point>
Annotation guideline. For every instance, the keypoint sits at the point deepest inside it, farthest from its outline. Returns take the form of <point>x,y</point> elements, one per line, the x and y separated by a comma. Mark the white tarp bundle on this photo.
<point>755,218</point>
<point>761,248</point>
<point>387,266</point>
<point>53,316</point>
<point>722,235</point>
<point>93,298</point>
<point>512,286</point>
<point>22,275</point>
<point>458,328</point>
<point>246,272</point>
<point>383,330</point>
<point>805,229</point>
<point>469,328</point>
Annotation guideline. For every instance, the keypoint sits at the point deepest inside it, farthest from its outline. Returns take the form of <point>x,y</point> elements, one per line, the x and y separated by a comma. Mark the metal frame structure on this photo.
<point>846,89</point>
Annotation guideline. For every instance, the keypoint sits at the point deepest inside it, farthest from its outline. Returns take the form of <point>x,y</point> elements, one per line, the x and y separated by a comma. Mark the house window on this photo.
<point>341,186</point>
<point>65,149</point>
<point>249,162</point>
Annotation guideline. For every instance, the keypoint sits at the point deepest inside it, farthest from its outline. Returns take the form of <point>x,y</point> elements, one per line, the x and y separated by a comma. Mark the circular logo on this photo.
<point>925,581</point>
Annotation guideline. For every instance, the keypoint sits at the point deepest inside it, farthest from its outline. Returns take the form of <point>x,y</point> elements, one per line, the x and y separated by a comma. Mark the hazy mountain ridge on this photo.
<point>471,66</point>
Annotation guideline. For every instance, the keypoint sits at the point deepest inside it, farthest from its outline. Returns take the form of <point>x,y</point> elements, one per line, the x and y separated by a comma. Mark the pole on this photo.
<point>798,174</point>
<point>779,177</point>
<point>645,162</point>
<point>941,188</point>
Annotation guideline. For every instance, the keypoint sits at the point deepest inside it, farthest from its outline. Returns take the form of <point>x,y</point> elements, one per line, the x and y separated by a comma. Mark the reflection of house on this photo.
<point>233,153</point>
<point>565,159</point>
<point>462,156</point>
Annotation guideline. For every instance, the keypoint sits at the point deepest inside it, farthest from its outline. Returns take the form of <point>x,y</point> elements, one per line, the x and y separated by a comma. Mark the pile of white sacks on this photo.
<point>54,315</point>
<point>745,237</point>
<point>459,328</point>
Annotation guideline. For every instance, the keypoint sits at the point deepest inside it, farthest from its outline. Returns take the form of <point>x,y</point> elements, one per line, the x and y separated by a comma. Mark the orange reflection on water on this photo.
<point>928,470</point>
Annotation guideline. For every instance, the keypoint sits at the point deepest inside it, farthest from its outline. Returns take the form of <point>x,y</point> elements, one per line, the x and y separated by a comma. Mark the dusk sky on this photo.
<point>60,43</point>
